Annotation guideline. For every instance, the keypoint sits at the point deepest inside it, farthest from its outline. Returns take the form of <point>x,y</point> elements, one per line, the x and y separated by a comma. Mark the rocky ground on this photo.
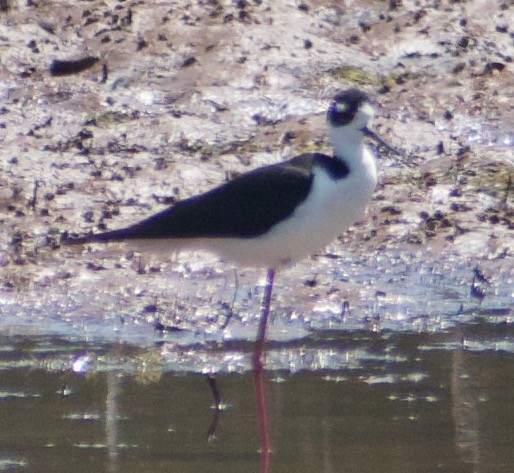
<point>176,97</point>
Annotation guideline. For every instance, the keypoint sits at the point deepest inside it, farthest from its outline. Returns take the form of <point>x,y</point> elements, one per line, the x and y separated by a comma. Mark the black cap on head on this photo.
<point>345,105</point>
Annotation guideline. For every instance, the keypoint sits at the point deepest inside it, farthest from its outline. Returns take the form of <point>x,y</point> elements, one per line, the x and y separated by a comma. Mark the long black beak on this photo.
<point>380,141</point>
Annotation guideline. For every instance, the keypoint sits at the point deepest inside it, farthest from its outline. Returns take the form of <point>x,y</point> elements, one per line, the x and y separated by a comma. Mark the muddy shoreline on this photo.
<point>185,95</point>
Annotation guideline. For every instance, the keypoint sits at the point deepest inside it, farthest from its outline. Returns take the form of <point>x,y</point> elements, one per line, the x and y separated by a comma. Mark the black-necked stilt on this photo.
<point>278,214</point>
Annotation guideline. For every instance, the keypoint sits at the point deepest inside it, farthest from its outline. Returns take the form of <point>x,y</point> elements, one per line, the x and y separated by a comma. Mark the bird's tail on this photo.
<point>106,237</point>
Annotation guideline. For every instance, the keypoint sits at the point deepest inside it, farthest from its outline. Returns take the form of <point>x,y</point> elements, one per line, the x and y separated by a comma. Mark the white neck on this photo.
<point>348,143</point>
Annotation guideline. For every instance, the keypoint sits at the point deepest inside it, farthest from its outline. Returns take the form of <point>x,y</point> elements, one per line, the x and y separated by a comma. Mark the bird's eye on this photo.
<point>342,107</point>
<point>341,113</point>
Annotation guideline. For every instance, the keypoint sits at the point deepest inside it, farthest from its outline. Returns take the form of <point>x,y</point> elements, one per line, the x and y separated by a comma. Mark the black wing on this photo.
<point>245,207</point>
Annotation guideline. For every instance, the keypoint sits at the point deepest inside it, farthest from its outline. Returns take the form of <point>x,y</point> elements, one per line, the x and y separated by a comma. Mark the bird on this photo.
<point>276,215</point>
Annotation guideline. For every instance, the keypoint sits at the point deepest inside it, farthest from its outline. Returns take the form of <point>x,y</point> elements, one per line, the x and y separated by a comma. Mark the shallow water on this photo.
<point>398,402</point>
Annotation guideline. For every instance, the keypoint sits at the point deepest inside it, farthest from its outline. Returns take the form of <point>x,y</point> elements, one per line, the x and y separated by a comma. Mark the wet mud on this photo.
<point>185,95</point>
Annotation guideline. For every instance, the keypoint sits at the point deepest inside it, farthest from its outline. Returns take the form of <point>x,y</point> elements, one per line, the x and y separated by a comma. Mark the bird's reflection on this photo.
<point>262,413</point>
<point>218,408</point>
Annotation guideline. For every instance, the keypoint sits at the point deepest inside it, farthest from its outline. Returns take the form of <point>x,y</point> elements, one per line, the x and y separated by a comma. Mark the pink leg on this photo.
<point>261,334</point>
<point>257,371</point>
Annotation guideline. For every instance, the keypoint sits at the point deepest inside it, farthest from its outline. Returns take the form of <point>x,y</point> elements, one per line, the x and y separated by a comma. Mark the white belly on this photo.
<point>332,207</point>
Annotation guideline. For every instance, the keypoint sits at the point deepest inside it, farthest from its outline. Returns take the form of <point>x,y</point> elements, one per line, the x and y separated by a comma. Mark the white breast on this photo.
<point>331,207</point>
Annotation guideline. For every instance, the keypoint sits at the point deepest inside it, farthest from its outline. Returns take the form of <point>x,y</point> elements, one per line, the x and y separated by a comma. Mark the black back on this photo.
<point>245,207</point>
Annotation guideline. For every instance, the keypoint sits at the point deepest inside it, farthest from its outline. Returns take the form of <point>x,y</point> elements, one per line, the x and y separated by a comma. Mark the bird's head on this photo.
<point>351,110</point>
<point>348,117</point>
